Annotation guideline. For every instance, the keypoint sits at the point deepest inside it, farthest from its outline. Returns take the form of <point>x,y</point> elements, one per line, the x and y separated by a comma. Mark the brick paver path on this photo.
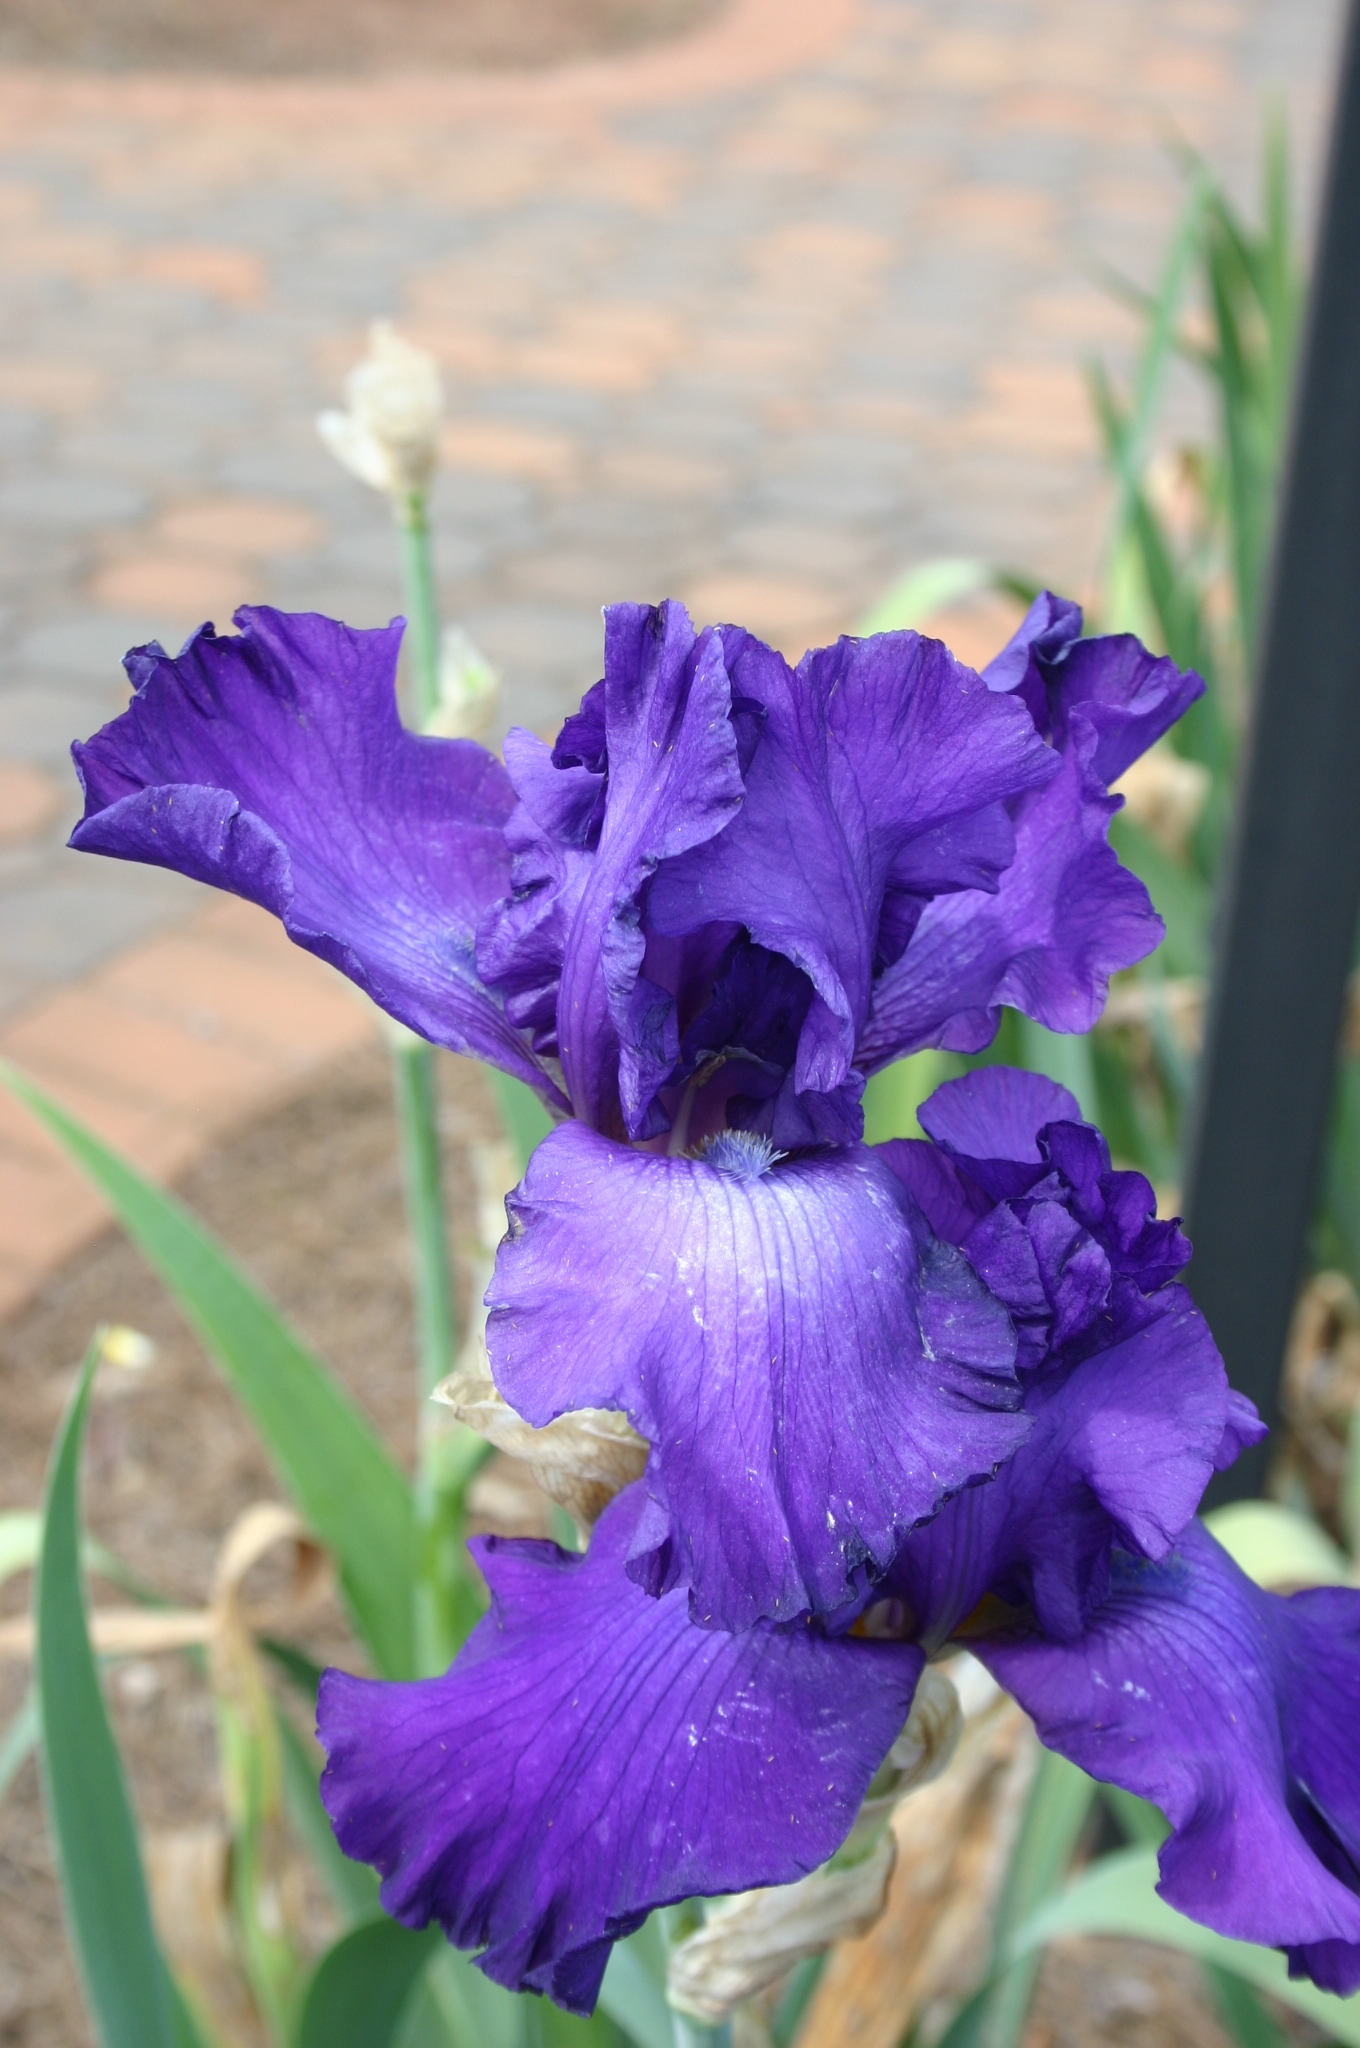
<point>758,320</point>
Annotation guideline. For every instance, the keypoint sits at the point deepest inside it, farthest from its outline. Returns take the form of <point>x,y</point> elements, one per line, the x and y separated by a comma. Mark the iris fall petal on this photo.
<point>591,1755</point>
<point>1236,1712</point>
<point>814,1369</point>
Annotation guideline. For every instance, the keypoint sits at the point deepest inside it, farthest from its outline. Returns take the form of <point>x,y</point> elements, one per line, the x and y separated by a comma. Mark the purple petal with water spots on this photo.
<point>814,1370</point>
<point>592,1755</point>
<point>273,763</point>
<point>1238,1714</point>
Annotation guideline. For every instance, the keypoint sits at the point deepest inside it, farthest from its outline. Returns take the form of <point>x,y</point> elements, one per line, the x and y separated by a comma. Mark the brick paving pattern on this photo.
<point>757,320</point>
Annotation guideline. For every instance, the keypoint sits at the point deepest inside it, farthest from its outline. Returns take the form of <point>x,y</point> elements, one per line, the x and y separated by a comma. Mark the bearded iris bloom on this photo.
<point>730,892</point>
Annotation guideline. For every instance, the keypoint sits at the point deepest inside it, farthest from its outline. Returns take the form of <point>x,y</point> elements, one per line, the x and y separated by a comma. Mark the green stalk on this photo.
<point>417,1121</point>
<point>422,604</point>
<point>690,2033</point>
<point>676,1924</point>
<point>1065,1057</point>
<point>438,1579</point>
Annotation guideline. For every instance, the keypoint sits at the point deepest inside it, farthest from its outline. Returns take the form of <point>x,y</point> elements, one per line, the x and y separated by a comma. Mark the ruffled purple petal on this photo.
<point>1122,1447</point>
<point>1238,1714</point>
<point>550,837</point>
<point>1242,1428</point>
<point>1049,628</point>
<point>881,761</point>
<point>649,767</point>
<point>951,1205</point>
<point>1128,698</point>
<point>1064,918</point>
<point>273,763</point>
<point>1110,685</point>
<point>1067,915</point>
<point>814,1370</point>
<point>592,1755</point>
<point>1120,1208</point>
<point>1041,1215</point>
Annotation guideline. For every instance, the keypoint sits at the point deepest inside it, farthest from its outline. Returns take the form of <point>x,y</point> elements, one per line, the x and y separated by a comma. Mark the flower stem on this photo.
<point>422,604</point>
<point>688,2033</point>
<point>437,1579</point>
<point>436,1311</point>
<point>440,1588</point>
<point>417,1107</point>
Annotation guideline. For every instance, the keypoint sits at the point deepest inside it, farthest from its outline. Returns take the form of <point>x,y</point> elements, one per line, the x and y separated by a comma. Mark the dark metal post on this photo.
<point>1294,880</point>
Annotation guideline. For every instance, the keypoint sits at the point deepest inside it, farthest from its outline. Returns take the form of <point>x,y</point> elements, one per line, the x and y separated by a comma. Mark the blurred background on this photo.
<point>763,304</point>
<point>756,304</point>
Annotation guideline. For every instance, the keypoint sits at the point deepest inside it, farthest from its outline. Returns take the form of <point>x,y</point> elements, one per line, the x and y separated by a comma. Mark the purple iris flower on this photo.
<point>594,1753</point>
<point>731,891</point>
<point>895,1395</point>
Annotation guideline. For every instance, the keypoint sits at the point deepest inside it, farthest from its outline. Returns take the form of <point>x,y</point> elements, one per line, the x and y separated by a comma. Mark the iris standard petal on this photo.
<point>674,780</point>
<point>879,759</point>
<point>1238,1714</point>
<point>814,1370</point>
<point>273,763</point>
<point>592,1755</point>
<point>1114,688</point>
<point>1067,915</point>
<point>1049,628</point>
<point>1110,685</point>
<point>549,836</point>
<point>1064,917</point>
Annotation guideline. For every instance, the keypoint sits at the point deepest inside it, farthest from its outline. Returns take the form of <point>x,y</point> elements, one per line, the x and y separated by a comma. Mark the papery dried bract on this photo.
<point>581,1460</point>
<point>925,1747</point>
<point>749,1942</point>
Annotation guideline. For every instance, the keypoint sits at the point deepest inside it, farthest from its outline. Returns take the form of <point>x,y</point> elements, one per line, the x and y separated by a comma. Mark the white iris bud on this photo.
<point>388,435</point>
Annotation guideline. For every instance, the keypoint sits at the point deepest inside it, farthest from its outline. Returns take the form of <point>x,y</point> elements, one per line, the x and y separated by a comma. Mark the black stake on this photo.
<point>1294,880</point>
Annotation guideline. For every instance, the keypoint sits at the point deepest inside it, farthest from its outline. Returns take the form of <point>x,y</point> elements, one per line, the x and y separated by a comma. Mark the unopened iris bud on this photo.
<point>388,435</point>
<point>581,1460</point>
